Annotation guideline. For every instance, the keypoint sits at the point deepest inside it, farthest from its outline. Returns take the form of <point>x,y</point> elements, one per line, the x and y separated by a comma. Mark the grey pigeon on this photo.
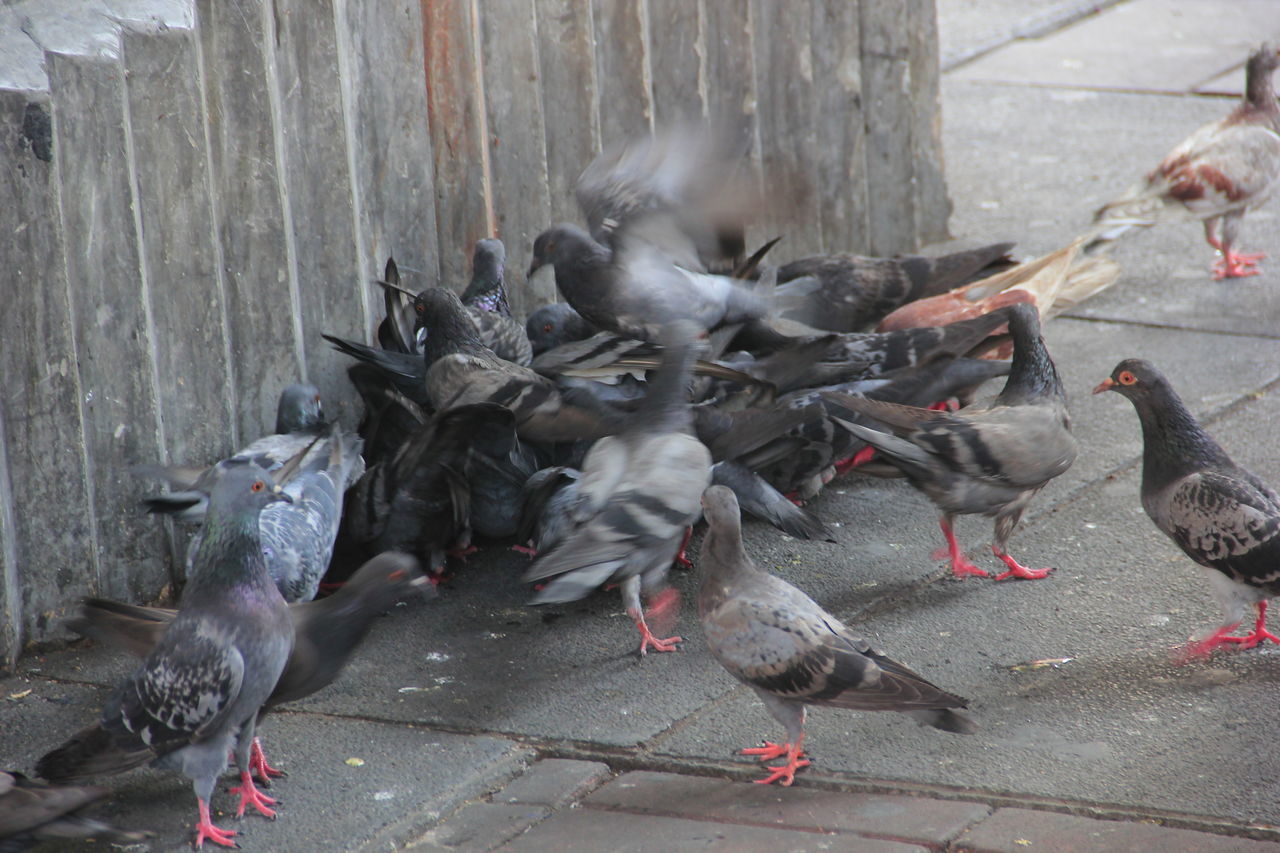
<point>486,299</point>
<point>462,370</point>
<point>198,693</point>
<point>549,496</point>
<point>326,632</point>
<point>32,812</point>
<point>792,653</point>
<point>989,461</point>
<point>847,293</point>
<point>638,494</point>
<point>765,502</point>
<point>1219,514</point>
<point>1216,174</point>
<point>552,325</point>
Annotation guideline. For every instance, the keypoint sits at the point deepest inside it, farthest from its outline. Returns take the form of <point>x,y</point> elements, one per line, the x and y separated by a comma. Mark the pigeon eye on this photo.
<point>258,485</point>
<point>419,307</point>
<point>1127,378</point>
<point>547,328</point>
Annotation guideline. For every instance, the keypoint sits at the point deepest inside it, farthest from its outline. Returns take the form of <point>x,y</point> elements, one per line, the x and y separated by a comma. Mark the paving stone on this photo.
<point>1026,831</point>
<point>554,782</point>
<point>908,819</point>
<point>480,827</point>
<point>582,830</point>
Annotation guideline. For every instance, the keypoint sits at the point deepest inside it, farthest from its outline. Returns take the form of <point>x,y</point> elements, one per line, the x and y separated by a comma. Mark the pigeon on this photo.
<point>326,632</point>
<point>549,494</point>
<point>462,370</point>
<point>767,503</point>
<point>32,812</point>
<point>299,421</point>
<point>1219,514</point>
<point>779,642</point>
<point>553,325</point>
<point>990,460</point>
<point>846,293</point>
<point>198,693</point>
<point>638,494</point>
<point>486,300</point>
<point>1216,174</point>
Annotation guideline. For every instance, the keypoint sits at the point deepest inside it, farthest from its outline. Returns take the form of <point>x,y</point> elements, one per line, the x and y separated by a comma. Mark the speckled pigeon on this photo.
<point>486,299</point>
<point>792,653</point>
<point>197,695</point>
<point>989,461</point>
<point>1219,514</point>
<point>1216,174</point>
<point>638,494</point>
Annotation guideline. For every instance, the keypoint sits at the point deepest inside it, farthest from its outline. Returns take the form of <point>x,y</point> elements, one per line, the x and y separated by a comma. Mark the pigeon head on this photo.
<point>243,487</point>
<point>299,409</point>
<point>387,579</point>
<point>720,508</point>
<point>443,324</point>
<point>553,325</point>
<point>1135,379</point>
<point>1257,74</point>
<point>1032,374</point>
<point>486,291</point>
<point>564,245</point>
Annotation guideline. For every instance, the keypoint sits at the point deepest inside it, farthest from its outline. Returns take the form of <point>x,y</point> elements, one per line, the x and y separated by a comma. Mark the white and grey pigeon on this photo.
<point>1219,514</point>
<point>638,494</point>
<point>197,695</point>
<point>989,460</point>
<point>779,642</point>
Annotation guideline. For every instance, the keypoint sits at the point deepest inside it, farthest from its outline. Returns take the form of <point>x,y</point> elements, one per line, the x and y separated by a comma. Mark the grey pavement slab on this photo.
<point>1141,45</point>
<point>968,28</point>
<point>1017,830</point>
<point>350,781</point>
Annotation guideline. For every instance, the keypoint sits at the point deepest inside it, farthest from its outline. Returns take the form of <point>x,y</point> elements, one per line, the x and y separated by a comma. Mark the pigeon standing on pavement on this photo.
<point>792,653</point>
<point>197,695</point>
<point>989,461</point>
<point>1216,174</point>
<point>326,632</point>
<point>1219,514</point>
<point>638,494</point>
<point>32,812</point>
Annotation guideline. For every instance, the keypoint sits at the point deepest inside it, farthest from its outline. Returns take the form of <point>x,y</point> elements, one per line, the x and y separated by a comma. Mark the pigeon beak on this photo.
<point>280,494</point>
<point>1105,385</point>
<point>534,266</point>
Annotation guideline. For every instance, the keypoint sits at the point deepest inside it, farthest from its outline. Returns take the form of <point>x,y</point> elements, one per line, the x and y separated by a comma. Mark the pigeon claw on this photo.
<point>1017,570</point>
<point>1233,265</point>
<point>259,767</point>
<point>528,551</point>
<point>862,457</point>
<point>784,773</point>
<point>647,639</point>
<point>250,795</point>
<point>961,568</point>
<point>767,751</point>
<point>205,830</point>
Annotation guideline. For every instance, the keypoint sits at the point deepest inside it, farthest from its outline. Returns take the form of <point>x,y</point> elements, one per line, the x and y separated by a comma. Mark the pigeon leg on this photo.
<point>786,773</point>
<point>1016,569</point>
<point>206,830</point>
<point>1201,649</point>
<point>1211,233</point>
<point>791,714</point>
<point>250,795</point>
<point>960,565</point>
<point>682,559</point>
<point>862,457</point>
<point>661,606</point>
<point>767,751</point>
<point>527,550</point>
<point>1259,634</point>
<point>1234,264</point>
<point>258,764</point>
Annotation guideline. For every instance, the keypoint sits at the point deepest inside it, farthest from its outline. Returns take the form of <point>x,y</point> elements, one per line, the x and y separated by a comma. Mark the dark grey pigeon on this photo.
<point>767,503</point>
<point>462,370</point>
<point>989,461</point>
<point>326,632</point>
<point>638,494</point>
<point>792,653</point>
<point>486,299</point>
<point>32,812</point>
<point>848,293</point>
<point>549,496</point>
<point>198,693</point>
<point>1219,514</point>
<point>553,325</point>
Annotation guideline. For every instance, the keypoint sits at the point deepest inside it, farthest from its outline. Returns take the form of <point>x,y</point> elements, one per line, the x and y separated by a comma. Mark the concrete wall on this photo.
<point>194,190</point>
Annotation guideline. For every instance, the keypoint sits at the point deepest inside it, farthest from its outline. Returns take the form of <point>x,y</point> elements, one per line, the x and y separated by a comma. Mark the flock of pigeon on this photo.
<point>682,379</point>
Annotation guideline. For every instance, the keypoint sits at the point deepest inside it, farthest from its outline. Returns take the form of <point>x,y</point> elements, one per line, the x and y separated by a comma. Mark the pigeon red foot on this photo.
<point>205,830</point>
<point>786,773</point>
<point>250,795</point>
<point>259,767</point>
<point>1237,265</point>
<point>1201,649</point>
<point>527,550</point>
<point>1016,569</point>
<point>682,559</point>
<point>862,457</point>
<point>961,567</point>
<point>661,608</point>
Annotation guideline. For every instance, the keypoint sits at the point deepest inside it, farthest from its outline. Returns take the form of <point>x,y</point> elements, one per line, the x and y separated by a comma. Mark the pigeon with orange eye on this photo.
<point>1219,514</point>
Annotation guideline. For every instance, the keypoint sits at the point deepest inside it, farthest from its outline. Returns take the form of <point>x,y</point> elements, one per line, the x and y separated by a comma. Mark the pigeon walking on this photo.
<point>198,693</point>
<point>1216,174</point>
<point>638,494</point>
<point>1219,514</point>
<point>989,461</point>
<point>792,653</point>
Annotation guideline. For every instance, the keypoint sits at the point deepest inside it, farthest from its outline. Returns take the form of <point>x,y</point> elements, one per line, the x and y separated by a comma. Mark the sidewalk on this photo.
<point>474,723</point>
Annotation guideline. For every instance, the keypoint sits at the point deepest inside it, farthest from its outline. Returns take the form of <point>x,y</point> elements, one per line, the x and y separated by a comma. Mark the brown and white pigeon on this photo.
<point>32,812</point>
<point>782,644</point>
<point>1219,514</point>
<point>1215,174</point>
<point>326,631</point>
<point>985,461</point>
<point>638,494</point>
<point>197,695</point>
